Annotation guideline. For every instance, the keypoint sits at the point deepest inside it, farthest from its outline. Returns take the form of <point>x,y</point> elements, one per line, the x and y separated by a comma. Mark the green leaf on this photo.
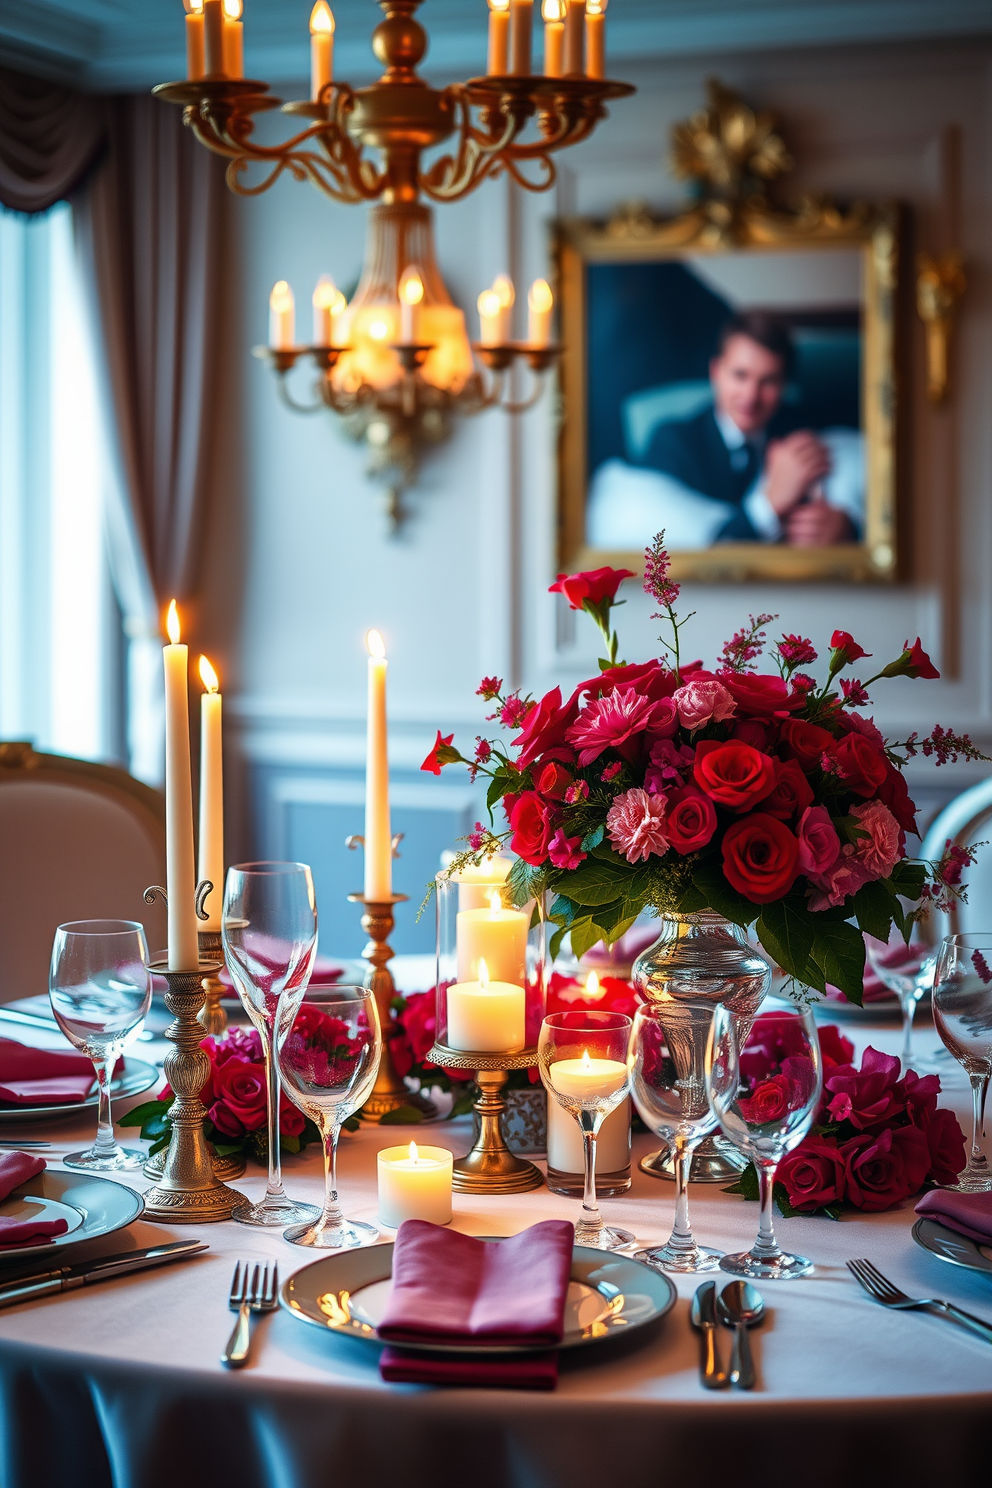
<point>709,879</point>
<point>598,883</point>
<point>747,1184</point>
<point>584,935</point>
<point>839,950</point>
<point>562,910</point>
<point>149,1111</point>
<point>402,1116</point>
<point>554,948</point>
<point>464,1102</point>
<point>159,1146</point>
<point>786,932</point>
<point>503,780</point>
<point>688,900</point>
<point>520,882</point>
<point>907,878</point>
<point>224,1149</point>
<point>875,907</point>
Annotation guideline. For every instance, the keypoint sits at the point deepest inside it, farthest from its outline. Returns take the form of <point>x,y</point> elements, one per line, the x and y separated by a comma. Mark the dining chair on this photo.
<point>78,841</point>
<point>964,821</point>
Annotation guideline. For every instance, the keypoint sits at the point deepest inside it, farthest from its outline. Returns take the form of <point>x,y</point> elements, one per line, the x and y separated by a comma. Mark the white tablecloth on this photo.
<point>120,1384</point>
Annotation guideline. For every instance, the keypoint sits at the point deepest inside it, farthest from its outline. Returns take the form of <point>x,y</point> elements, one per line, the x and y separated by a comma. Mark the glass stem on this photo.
<point>332,1217</point>
<point>766,1245</point>
<point>105,1142</point>
<point>274,1188</point>
<point>908,1004</point>
<point>590,1225</point>
<point>681,1231</point>
<point>979,1092</point>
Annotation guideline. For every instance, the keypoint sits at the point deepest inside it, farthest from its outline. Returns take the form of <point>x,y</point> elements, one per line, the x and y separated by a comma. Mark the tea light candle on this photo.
<point>496,936</point>
<point>565,1152</point>
<point>486,1017</point>
<point>414,1183</point>
<point>475,881</point>
<point>588,1079</point>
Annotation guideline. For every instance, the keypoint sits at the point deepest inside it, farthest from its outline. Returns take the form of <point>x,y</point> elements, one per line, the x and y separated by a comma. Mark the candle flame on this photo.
<point>539,296</point>
<point>489,303</point>
<point>281,298</point>
<point>503,286</point>
<point>586,1064</point>
<point>378,329</point>
<point>232,9</point>
<point>483,975</point>
<point>414,1154</point>
<point>322,19</point>
<point>495,903</point>
<point>596,7</point>
<point>327,296</point>
<point>553,10</point>
<point>193,7</point>
<point>172,623</point>
<point>499,4</point>
<point>208,676</point>
<point>375,643</point>
<point>593,992</point>
<point>411,289</point>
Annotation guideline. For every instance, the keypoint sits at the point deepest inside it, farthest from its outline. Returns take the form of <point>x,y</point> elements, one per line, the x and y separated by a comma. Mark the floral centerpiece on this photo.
<point>760,795</point>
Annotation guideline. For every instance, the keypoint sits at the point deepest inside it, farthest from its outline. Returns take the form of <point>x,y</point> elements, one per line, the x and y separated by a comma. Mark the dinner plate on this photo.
<point>608,1296</point>
<point>137,1076</point>
<point>90,1206</point>
<point>948,1245</point>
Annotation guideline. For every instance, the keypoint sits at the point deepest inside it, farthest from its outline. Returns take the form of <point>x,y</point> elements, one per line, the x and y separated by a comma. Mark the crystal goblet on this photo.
<point>908,971</point>
<point>962,1011</point>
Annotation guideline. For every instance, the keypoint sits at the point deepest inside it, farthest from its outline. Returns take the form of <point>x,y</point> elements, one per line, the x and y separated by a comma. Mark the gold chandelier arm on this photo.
<point>287,399</point>
<point>524,404</point>
<point>455,175</point>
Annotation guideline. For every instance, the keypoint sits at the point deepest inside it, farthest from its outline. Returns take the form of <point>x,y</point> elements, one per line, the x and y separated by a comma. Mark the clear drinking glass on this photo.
<point>908,971</point>
<point>962,1011</point>
<point>583,1062</point>
<point>765,1114</point>
<point>668,1083</point>
<point>269,926</point>
<point>329,1058</point>
<point>100,988</point>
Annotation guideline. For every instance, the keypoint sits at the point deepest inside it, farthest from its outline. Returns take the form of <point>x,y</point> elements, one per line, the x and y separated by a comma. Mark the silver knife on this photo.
<point>703,1316</point>
<point>40,1020</point>
<point>68,1278</point>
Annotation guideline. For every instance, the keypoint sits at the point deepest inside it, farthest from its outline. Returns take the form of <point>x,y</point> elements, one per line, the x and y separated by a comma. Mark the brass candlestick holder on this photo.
<point>490,1167</point>
<point>212,1017</point>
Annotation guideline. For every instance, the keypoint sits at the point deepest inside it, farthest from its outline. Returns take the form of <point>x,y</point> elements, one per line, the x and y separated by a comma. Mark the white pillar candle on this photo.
<point>596,38</point>
<point>586,1079</point>
<point>328,302</point>
<point>575,25</point>
<point>211,796</point>
<point>493,935</point>
<point>234,40</point>
<point>499,36</point>
<point>486,1017</point>
<point>378,834</point>
<point>180,879</point>
<point>321,48</point>
<point>414,1183</point>
<point>540,303</point>
<point>195,61</point>
<point>411,293</point>
<point>282,317</point>
<point>503,286</point>
<point>490,317</point>
<point>477,881</point>
<point>521,30</point>
<point>565,1152</point>
<point>553,13</point>
<point>213,37</point>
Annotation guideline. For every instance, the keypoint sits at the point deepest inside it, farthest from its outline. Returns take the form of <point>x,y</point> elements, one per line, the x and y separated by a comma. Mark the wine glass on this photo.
<point>765,1111</point>
<point>269,925</point>
<point>583,1062</point>
<point>329,1058</point>
<point>100,989</point>
<point>668,1083</point>
<point>962,1011</point>
<point>908,971</point>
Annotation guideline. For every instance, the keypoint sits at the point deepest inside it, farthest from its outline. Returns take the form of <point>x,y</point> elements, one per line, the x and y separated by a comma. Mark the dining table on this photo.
<point>120,1385</point>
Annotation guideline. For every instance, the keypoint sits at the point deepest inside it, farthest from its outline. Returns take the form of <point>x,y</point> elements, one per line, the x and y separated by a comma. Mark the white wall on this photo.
<point>301,566</point>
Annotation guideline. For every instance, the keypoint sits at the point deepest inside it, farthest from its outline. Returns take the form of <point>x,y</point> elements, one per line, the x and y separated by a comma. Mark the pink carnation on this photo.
<point>846,876</point>
<point>616,722</point>
<point>879,852</point>
<point>636,825</point>
<point>700,703</point>
<point>565,852</point>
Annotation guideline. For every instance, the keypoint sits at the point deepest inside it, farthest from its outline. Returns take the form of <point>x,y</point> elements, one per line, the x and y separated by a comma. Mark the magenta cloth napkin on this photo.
<point>968,1213</point>
<point>16,1168</point>
<point>538,1371</point>
<point>42,1077</point>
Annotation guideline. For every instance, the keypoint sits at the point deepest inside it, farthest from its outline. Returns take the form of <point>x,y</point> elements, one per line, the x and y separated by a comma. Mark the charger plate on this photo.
<point>608,1296</point>
<point>136,1077</point>
<point>948,1245</point>
<point>90,1206</point>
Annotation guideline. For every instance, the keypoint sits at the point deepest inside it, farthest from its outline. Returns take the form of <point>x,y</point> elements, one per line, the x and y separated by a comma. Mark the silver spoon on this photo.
<point>741,1306</point>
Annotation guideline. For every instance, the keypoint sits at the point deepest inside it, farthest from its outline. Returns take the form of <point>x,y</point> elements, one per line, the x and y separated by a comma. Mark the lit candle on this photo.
<point>328,302</point>
<point>194,39</point>
<point>521,29</point>
<point>475,881</point>
<point>486,1017</point>
<point>588,1079</point>
<point>211,795</point>
<point>499,35</point>
<point>490,317</point>
<point>553,14</point>
<point>378,836</point>
<point>414,1183</point>
<point>321,48</point>
<point>503,286</point>
<point>575,24</point>
<point>282,317</point>
<point>596,38</point>
<point>213,37</point>
<point>565,1153</point>
<point>540,303</point>
<point>494,937</point>
<point>234,40</point>
<point>179,859</point>
<point>411,292</point>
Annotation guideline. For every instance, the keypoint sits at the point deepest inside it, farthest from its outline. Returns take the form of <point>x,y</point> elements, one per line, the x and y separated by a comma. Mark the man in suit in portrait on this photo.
<point>741,451</point>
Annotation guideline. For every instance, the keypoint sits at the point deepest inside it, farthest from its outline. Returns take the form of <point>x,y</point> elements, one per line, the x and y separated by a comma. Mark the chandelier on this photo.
<point>396,361</point>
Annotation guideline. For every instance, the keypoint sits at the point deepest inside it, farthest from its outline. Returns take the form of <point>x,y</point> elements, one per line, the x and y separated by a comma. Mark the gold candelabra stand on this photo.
<point>490,1166</point>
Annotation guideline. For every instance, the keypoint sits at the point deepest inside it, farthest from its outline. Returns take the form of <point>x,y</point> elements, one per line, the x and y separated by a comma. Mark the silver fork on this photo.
<point>879,1287</point>
<point>250,1292</point>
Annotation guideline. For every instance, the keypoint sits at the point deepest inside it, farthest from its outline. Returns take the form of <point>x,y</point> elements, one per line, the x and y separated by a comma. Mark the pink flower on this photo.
<point>855,724</point>
<point>819,845</point>
<point>846,877</point>
<point>854,692</point>
<point>636,825</point>
<point>868,1097</point>
<point>513,712</point>
<point>577,791</point>
<point>611,722</point>
<point>565,852</point>
<point>700,703</point>
<point>796,651</point>
<point>489,688</point>
<point>671,765</point>
<point>879,852</point>
<point>611,772</point>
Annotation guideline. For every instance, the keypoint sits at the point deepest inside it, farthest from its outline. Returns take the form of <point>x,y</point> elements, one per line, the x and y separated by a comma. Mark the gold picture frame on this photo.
<point>730,153</point>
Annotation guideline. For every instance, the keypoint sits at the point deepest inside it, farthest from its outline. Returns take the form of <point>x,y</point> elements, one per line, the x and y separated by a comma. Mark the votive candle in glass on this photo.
<point>414,1183</point>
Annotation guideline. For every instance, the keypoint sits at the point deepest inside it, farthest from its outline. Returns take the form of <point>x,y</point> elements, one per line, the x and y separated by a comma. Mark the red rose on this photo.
<point>544,728</point>
<point>760,857</point>
<point>554,781</point>
<point>790,794</point>
<point>862,767</point>
<point>752,731</point>
<point>240,1096</point>
<point>845,649</point>
<point>291,1118</point>
<point>813,1173</point>
<point>768,1101</point>
<point>894,793</point>
<point>804,742</point>
<point>868,1097</point>
<point>590,588</point>
<point>881,1170</point>
<point>734,775</point>
<point>834,1047</point>
<point>649,678</point>
<point>530,820</point>
<point>761,696</point>
<point>945,1144</point>
<point>691,819</point>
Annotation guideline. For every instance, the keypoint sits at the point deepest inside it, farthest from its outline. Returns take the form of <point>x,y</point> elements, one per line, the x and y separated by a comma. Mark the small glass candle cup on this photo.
<point>414,1183</point>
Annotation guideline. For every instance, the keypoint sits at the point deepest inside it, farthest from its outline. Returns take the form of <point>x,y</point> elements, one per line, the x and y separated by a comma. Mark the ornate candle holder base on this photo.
<point>225,1168</point>
<point>189,1191</point>
<point>389,1092</point>
<point>212,1017</point>
<point>490,1167</point>
<point>715,1160</point>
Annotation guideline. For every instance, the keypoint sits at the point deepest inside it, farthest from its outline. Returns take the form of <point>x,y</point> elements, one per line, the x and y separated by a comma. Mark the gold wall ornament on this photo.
<point>727,149</point>
<point>940,283</point>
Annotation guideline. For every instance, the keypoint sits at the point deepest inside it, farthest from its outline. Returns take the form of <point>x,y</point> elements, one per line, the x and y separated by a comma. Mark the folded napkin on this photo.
<point>968,1213</point>
<point>452,1289</point>
<point>42,1077</point>
<point>16,1168</point>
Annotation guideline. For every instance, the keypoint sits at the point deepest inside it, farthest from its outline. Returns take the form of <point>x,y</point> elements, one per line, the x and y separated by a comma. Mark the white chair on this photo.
<point>966,820</point>
<point>78,841</point>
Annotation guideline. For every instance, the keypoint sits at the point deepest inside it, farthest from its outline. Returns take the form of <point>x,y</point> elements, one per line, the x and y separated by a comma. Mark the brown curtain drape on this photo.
<point>49,137</point>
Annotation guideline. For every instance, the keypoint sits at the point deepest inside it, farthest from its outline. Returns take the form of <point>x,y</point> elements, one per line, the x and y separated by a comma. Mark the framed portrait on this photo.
<point>731,380</point>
